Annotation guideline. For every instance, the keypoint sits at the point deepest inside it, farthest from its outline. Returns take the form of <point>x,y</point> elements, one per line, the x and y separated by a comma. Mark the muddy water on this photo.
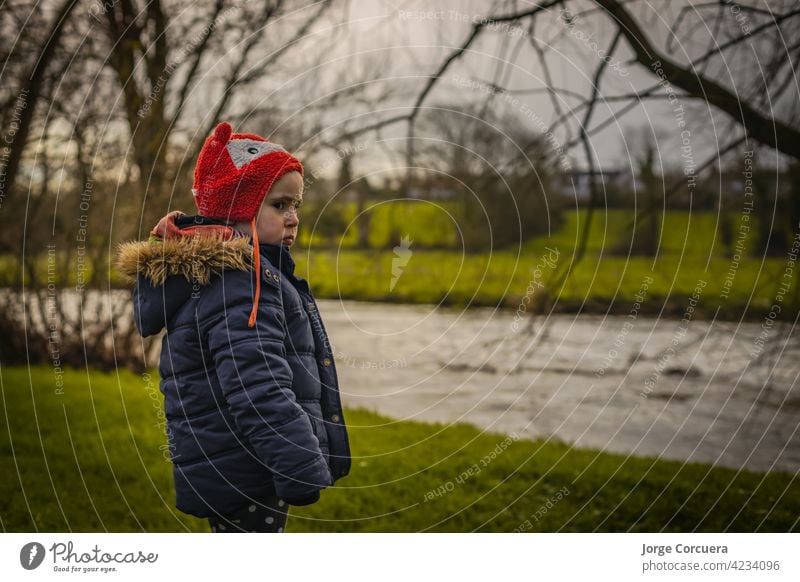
<point>716,392</point>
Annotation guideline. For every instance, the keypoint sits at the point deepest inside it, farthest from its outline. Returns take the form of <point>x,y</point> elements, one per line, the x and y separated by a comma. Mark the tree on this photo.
<point>31,87</point>
<point>493,167</point>
<point>643,238</point>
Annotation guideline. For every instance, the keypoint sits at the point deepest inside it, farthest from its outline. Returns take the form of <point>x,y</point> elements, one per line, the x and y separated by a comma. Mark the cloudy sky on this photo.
<point>397,45</point>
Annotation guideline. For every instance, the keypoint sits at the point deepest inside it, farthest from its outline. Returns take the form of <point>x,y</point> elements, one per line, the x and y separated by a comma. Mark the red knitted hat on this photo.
<point>234,174</point>
<point>235,171</point>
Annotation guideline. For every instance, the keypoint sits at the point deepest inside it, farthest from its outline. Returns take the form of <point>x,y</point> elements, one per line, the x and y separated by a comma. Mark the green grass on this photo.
<point>89,459</point>
<point>682,232</point>
<point>689,252</point>
<point>503,278</point>
<point>428,224</point>
<point>434,224</point>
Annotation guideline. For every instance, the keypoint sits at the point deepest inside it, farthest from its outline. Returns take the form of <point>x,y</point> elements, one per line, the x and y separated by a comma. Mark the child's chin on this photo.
<point>278,241</point>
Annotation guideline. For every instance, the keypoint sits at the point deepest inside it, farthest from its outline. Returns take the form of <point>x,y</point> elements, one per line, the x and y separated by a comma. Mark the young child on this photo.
<point>251,396</point>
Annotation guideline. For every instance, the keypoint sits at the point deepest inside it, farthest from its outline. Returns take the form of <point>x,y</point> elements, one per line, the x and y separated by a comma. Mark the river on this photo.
<point>717,392</point>
<point>713,391</point>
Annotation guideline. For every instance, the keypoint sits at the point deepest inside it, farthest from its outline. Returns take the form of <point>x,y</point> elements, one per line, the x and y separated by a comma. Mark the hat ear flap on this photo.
<point>223,132</point>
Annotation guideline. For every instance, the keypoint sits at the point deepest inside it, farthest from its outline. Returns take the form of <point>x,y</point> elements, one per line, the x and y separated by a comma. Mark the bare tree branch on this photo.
<point>762,128</point>
<point>194,67</point>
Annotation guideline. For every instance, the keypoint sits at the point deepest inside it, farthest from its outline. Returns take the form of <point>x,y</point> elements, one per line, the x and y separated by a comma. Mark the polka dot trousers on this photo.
<point>265,517</point>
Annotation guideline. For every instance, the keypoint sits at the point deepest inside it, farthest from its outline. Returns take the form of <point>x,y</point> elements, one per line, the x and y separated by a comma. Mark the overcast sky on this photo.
<point>410,39</point>
<point>396,45</point>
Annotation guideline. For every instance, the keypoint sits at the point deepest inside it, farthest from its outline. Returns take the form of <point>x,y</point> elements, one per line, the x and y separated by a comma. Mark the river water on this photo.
<point>717,392</point>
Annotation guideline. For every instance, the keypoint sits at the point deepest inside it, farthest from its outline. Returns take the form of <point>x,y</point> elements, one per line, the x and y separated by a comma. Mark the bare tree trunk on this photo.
<point>31,92</point>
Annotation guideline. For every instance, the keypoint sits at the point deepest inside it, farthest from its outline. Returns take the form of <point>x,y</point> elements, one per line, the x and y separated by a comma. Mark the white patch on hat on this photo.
<point>195,192</point>
<point>244,151</point>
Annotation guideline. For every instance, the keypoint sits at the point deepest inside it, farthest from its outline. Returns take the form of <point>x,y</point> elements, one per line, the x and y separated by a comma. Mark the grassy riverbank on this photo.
<point>88,455</point>
<point>693,267</point>
<point>691,258</point>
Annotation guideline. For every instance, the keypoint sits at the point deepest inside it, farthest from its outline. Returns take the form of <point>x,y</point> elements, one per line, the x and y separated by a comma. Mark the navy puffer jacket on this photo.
<point>251,412</point>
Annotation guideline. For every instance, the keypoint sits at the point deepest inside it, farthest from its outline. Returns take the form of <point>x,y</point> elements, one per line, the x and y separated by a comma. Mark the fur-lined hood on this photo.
<point>182,253</point>
<point>186,252</point>
<point>197,258</point>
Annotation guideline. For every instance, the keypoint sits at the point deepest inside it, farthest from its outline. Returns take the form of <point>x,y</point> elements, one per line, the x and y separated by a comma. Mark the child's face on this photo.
<point>277,221</point>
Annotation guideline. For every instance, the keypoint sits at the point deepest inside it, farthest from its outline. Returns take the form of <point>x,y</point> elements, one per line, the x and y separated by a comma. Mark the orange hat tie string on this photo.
<point>257,264</point>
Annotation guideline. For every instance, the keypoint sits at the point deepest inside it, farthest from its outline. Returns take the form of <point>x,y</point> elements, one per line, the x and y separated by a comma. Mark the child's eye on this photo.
<point>282,205</point>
